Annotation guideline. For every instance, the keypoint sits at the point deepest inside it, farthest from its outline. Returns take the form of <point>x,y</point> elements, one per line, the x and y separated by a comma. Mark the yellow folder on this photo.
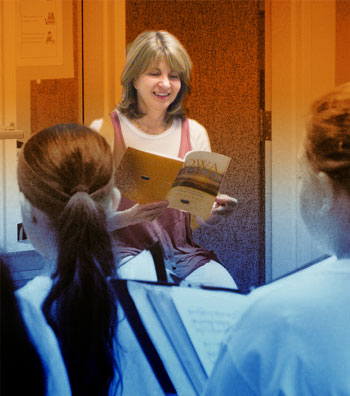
<point>145,177</point>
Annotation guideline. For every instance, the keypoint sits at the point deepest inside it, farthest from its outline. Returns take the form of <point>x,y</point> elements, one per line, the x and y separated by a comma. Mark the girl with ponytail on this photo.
<point>65,177</point>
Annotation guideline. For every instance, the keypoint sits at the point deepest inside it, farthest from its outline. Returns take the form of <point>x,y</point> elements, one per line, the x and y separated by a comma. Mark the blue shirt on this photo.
<point>292,340</point>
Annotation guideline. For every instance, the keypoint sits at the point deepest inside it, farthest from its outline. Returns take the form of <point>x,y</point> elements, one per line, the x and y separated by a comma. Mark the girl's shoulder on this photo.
<point>36,290</point>
<point>44,340</point>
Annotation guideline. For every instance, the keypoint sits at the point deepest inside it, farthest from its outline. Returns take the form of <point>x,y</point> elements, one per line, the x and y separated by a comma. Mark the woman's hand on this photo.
<point>136,214</point>
<point>222,208</point>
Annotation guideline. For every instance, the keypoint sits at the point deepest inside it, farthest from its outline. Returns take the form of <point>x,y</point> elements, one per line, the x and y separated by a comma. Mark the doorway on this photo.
<point>225,42</point>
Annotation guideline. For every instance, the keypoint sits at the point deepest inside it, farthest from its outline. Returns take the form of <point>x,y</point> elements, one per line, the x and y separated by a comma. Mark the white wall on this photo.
<point>302,67</point>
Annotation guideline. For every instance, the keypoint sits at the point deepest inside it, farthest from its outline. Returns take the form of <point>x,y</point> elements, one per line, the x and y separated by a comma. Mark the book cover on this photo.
<point>190,184</point>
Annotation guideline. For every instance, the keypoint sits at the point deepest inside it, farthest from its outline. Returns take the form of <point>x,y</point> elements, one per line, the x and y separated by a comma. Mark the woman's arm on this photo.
<point>222,208</point>
<point>136,214</point>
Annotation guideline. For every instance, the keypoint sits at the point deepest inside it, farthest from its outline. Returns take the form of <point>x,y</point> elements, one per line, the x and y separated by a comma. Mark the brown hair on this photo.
<point>66,171</point>
<point>328,135</point>
<point>150,47</point>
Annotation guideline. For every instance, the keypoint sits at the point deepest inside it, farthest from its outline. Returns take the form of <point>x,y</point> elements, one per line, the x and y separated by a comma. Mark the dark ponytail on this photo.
<point>66,171</point>
<point>81,307</point>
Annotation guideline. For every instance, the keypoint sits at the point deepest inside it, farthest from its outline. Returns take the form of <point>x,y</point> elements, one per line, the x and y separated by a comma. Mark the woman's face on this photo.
<point>157,87</point>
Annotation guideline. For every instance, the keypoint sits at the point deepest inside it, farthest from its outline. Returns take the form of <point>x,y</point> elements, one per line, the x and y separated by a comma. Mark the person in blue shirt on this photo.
<point>294,338</point>
<point>31,361</point>
<point>66,182</point>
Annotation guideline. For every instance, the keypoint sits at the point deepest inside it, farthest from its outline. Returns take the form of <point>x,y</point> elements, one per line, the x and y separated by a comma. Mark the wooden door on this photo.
<point>222,39</point>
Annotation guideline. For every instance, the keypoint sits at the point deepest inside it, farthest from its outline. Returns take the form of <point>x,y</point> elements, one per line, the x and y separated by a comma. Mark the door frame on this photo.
<point>103,46</point>
<point>300,65</point>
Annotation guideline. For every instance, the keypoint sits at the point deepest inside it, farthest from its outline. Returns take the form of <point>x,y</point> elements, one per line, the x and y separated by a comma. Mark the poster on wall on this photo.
<point>39,33</point>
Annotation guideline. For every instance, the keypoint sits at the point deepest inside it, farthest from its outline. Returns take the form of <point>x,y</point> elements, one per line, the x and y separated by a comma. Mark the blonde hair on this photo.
<point>327,143</point>
<point>150,47</point>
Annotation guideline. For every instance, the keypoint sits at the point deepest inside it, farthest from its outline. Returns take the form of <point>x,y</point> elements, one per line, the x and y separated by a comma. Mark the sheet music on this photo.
<point>207,316</point>
<point>187,327</point>
<point>160,339</point>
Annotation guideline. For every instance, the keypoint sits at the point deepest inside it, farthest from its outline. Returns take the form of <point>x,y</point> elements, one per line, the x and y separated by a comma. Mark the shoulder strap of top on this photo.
<point>185,144</point>
<point>106,130</point>
<point>119,145</point>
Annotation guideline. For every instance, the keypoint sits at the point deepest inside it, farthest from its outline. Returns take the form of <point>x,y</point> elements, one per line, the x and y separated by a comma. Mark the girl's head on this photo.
<point>65,166</point>
<point>65,175</point>
<point>148,49</point>
<point>325,194</point>
<point>328,139</point>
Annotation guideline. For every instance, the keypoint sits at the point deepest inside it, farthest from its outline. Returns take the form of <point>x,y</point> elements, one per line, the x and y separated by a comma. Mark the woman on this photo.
<point>31,362</point>
<point>295,337</point>
<point>150,117</point>
<point>65,177</point>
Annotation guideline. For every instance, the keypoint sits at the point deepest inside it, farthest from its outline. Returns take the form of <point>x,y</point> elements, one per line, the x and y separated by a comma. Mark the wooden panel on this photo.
<point>222,40</point>
<point>54,101</point>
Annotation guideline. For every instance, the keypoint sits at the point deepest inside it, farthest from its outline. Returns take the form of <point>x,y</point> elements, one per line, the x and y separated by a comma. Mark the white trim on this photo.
<point>302,67</point>
<point>268,154</point>
<point>8,63</point>
<point>104,56</point>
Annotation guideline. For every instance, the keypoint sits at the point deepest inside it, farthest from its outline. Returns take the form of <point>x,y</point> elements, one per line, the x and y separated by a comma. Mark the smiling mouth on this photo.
<point>161,95</point>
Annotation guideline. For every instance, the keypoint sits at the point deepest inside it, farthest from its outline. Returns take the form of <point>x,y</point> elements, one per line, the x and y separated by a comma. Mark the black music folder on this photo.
<point>180,328</point>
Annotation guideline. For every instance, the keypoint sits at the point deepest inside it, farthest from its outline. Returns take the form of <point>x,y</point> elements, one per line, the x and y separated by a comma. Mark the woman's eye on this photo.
<point>174,76</point>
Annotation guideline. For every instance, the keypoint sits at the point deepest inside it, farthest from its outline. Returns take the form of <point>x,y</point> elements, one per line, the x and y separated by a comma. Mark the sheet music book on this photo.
<point>186,326</point>
<point>190,185</point>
